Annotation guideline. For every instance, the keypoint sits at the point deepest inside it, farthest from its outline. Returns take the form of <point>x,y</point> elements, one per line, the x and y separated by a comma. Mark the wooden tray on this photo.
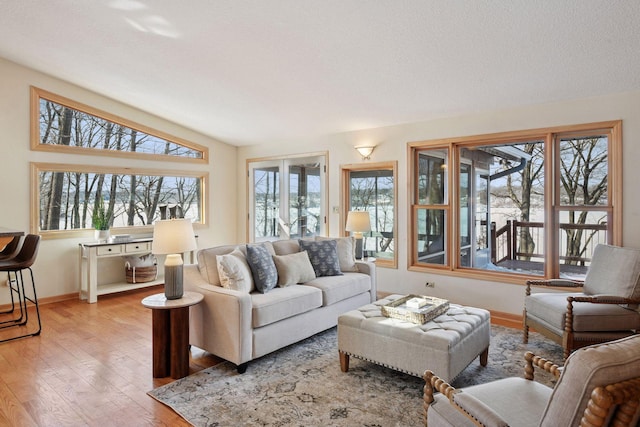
<point>398,309</point>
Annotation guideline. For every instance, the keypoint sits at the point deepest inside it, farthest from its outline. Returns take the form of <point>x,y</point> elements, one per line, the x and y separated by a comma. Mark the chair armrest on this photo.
<point>551,283</point>
<point>603,299</point>
<point>531,361</point>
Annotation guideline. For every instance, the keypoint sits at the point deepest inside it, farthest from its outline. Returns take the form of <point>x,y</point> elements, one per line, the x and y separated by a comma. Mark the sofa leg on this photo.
<point>242,368</point>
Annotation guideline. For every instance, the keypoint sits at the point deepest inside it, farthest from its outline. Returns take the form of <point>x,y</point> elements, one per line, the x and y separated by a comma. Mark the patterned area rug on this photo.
<point>302,385</point>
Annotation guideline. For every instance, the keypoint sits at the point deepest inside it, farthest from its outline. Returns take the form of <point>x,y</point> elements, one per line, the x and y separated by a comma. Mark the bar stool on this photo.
<point>23,260</point>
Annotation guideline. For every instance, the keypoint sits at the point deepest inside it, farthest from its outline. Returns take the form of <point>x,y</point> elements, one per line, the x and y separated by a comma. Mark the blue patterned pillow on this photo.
<point>323,255</point>
<point>263,269</point>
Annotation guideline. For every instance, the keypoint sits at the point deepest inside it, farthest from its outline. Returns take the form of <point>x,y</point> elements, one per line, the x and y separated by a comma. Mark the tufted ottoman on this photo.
<point>446,345</point>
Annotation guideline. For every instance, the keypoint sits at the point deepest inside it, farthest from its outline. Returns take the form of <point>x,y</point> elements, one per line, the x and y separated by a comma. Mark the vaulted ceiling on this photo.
<point>258,71</point>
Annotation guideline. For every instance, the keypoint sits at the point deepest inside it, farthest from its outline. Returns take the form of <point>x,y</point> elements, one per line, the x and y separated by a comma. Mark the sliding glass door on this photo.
<point>287,198</point>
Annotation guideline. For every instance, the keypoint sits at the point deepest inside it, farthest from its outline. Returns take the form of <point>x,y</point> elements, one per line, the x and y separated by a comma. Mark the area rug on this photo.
<point>302,385</point>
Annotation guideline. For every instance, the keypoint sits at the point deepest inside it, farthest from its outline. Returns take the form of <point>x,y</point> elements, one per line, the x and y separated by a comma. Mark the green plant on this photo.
<point>100,218</point>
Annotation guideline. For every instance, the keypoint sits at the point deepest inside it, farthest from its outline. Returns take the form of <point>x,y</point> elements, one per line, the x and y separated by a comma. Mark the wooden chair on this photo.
<point>603,308</point>
<point>598,386</point>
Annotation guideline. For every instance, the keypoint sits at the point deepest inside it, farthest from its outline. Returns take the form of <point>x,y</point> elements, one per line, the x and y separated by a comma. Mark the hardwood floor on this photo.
<point>90,366</point>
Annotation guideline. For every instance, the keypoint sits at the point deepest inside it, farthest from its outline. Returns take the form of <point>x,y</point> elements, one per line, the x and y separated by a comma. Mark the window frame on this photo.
<point>37,168</point>
<point>345,173</point>
<point>36,94</point>
<point>551,207</point>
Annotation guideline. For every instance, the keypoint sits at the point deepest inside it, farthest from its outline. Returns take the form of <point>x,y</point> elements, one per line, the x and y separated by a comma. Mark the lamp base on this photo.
<point>173,286</point>
<point>359,248</point>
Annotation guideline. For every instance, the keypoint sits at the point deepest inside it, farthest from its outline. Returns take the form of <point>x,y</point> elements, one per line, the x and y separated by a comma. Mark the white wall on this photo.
<point>391,145</point>
<point>56,269</point>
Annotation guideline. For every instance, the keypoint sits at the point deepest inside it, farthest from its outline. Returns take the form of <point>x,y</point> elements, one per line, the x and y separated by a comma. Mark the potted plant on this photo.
<point>100,220</point>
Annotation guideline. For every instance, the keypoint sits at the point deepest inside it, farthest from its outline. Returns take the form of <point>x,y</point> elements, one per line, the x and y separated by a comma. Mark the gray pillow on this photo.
<point>263,270</point>
<point>323,255</point>
<point>346,252</point>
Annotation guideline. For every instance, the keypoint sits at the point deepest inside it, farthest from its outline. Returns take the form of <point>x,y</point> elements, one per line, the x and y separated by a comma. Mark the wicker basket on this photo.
<point>398,309</point>
<point>141,274</point>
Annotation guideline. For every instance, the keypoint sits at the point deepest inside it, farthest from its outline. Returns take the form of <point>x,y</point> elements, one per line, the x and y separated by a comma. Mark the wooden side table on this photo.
<point>171,333</point>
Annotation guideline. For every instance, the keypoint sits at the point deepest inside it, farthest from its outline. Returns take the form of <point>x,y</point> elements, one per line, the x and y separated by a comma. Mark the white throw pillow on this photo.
<point>294,268</point>
<point>234,271</point>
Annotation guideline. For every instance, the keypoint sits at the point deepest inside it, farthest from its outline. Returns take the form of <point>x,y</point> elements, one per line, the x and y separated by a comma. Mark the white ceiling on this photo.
<point>257,71</point>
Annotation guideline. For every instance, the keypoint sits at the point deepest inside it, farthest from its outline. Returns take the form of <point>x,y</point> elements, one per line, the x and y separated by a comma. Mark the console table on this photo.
<point>90,255</point>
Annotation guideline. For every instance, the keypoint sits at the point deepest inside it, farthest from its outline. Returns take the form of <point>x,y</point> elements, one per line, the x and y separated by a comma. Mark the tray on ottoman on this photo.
<point>416,309</point>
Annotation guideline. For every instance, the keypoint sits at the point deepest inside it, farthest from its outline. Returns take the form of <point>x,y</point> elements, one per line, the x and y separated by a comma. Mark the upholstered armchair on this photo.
<point>598,386</point>
<point>604,308</point>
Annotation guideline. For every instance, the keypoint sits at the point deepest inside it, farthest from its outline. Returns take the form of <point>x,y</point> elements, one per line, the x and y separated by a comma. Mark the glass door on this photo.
<point>287,198</point>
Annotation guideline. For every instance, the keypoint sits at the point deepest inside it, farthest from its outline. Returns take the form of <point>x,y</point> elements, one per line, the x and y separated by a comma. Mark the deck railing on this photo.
<point>505,242</point>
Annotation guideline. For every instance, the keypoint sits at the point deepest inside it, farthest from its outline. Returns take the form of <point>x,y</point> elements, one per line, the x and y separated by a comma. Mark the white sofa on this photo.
<point>240,326</point>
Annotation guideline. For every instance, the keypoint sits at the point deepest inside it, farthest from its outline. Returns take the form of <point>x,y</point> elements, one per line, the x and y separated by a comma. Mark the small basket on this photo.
<point>398,309</point>
<point>141,274</point>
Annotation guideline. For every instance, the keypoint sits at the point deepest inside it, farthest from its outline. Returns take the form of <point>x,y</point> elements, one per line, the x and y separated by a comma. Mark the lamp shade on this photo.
<point>173,236</point>
<point>358,221</point>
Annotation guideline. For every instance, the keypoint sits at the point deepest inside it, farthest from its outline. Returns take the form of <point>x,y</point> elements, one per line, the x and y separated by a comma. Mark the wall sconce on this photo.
<point>365,151</point>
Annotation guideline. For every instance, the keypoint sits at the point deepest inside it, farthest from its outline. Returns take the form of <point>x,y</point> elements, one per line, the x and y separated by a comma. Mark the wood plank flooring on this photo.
<point>90,366</point>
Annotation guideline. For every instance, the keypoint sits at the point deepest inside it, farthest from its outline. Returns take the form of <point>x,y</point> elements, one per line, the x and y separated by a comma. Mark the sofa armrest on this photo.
<point>369,268</point>
<point>221,324</point>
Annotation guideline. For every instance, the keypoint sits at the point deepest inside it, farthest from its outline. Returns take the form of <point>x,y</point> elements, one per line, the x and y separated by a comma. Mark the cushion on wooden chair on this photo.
<point>614,271</point>
<point>593,366</point>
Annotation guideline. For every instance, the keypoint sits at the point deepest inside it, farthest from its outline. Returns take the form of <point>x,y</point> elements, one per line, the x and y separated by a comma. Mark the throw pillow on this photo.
<point>234,271</point>
<point>346,252</point>
<point>263,269</point>
<point>323,255</point>
<point>294,268</point>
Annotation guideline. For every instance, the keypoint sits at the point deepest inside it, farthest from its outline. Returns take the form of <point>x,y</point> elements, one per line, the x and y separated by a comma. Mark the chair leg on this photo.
<point>525,328</point>
<point>23,301</point>
<point>19,321</point>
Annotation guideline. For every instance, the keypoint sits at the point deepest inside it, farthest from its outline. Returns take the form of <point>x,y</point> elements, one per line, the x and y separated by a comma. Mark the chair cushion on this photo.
<point>338,288</point>
<point>614,271</point>
<point>517,401</point>
<point>551,308</point>
<point>282,303</point>
<point>585,369</point>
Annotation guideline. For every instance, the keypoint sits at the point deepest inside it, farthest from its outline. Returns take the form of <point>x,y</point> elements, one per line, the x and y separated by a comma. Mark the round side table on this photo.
<point>171,333</point>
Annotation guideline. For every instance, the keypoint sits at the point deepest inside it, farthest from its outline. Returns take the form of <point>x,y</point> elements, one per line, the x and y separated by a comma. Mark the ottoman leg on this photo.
<point>484,356</point>
<point>344,361</point>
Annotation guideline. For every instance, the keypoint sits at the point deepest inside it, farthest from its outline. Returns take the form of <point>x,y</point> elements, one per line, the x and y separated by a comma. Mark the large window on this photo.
<point>517,204</point>
<point>65,196</point>
<point>372,188</point>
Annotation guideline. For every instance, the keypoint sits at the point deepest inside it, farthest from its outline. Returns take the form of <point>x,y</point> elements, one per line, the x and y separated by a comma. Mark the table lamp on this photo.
<point>358,222</point>
<point>172,237</point>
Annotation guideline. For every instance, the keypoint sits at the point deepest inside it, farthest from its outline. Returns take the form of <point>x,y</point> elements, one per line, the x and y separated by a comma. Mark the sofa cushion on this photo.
<point>338,288</point>
<point>346,248</point>
<point>293,268</point>
<point>587,317</point>
<point>263,269</point>
<point>234,271</point>
<point>323,256</point>
<point>282,303</point>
